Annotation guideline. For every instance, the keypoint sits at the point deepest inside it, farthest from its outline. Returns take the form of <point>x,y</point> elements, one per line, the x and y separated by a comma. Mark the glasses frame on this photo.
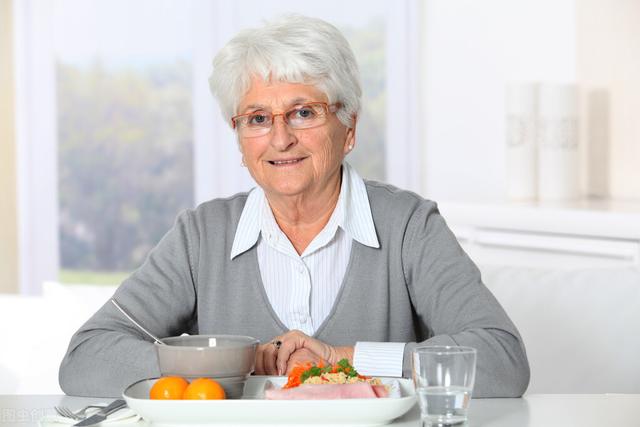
<point>328,108</point>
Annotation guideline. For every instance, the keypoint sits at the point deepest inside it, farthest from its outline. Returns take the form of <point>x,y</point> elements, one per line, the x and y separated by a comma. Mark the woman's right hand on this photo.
<point>296,346</point>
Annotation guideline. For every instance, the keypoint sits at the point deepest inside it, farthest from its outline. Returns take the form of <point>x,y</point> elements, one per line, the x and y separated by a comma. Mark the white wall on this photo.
<point>608,57</point>
<point>470,51</point>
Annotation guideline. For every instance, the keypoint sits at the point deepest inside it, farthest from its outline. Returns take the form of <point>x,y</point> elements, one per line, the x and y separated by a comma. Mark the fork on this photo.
<point>79,415</point>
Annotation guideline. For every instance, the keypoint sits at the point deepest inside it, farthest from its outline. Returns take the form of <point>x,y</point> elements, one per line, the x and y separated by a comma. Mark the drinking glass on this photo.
<point>444,377</point>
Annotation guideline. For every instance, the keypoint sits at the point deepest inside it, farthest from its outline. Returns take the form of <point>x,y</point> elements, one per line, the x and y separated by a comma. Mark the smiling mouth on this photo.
<point>286,162</point>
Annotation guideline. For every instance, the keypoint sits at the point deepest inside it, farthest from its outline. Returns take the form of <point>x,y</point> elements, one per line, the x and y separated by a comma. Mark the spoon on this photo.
<point>128,316</point>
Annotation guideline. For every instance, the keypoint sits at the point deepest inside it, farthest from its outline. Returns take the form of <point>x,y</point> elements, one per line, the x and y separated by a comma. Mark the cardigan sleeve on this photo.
<point>108,353</point>
<point>454,307</point>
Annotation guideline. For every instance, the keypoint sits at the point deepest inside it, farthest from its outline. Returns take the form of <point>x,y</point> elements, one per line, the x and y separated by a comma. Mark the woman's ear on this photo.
<point>350,140</point>
<point>242,163</point>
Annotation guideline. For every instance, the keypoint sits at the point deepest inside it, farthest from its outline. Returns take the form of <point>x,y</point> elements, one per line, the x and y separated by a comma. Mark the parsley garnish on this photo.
<point>345,366</point>
<point>342,366</point>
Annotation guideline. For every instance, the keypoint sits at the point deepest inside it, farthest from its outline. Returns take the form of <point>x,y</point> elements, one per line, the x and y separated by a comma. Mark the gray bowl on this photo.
<point>213,356</point>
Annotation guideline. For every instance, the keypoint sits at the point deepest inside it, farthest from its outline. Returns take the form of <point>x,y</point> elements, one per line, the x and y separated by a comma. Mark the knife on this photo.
<point>103,413</point>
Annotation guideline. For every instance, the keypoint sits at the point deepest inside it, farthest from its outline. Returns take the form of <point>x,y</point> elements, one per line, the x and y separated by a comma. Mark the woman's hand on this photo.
<point>297,347</point>
<point>302,356</point>
<point>266,358</point>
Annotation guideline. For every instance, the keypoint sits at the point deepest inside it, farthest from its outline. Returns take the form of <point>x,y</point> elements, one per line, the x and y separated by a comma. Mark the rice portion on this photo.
<point>340,378</point>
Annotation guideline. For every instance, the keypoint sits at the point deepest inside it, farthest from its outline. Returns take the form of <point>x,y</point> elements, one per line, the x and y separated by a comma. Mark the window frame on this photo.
<point>36,136</point>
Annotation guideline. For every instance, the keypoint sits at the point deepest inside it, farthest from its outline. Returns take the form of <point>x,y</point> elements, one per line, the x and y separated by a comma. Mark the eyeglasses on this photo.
<point>306,116</point>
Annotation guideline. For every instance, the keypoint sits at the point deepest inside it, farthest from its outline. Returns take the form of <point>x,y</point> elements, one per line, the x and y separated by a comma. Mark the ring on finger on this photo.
<point>276,344</point>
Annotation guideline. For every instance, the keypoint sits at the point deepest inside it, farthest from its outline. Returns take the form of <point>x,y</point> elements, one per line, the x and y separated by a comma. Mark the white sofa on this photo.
<point>36,332</point>
<point>581,328</point>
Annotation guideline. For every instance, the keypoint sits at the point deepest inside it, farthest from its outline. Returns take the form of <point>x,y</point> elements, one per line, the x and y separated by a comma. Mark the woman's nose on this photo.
<point>281,135</point>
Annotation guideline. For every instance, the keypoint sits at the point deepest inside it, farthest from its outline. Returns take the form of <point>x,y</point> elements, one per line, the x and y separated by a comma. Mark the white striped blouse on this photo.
<point>302,289</point>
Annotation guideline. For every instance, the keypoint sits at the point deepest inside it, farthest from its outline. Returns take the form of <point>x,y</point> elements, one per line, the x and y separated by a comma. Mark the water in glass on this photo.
<point>444,405</point>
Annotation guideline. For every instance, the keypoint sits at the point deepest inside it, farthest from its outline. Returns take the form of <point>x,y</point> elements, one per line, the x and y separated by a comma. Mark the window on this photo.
<point>125,133</point>
<point>119,132</point>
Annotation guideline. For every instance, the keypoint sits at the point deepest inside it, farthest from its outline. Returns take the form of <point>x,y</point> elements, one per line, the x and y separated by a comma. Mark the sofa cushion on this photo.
<point>581,327</point>
<point>36,332</point>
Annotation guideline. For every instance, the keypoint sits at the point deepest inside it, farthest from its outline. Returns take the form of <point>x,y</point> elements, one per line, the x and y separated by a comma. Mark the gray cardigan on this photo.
<point>418,286</point>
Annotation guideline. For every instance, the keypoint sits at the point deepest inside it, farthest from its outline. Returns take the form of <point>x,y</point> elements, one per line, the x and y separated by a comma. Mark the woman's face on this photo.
<point>313,155</point>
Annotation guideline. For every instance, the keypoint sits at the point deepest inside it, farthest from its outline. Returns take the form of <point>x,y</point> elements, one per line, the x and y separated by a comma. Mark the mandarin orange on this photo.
<point>204,388</point>
<point>168,388</point>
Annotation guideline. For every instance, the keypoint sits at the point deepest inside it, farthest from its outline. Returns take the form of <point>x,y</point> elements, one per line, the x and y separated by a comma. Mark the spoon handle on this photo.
<point>128,316</point>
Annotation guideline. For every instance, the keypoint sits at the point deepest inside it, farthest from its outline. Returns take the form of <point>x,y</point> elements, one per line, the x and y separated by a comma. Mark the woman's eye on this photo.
<point>257,119</point>
<point>305,113</point>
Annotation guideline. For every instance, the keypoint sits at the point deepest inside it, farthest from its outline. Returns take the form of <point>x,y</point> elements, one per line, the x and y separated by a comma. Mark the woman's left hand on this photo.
<point>266,358</point>
<point>294,342</point>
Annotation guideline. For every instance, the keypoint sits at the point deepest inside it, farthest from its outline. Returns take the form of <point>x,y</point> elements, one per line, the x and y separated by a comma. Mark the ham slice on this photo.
<point>327,391</point>
<point>380,390</point>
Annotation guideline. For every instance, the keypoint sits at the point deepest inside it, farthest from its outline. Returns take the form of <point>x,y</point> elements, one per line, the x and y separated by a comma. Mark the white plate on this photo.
<point>253,409</point>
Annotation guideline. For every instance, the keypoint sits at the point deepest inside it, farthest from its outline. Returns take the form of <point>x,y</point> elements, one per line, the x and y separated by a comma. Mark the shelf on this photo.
<point>610,219</point>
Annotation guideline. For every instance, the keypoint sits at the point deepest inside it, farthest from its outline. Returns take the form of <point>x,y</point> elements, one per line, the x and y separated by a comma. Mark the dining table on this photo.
<point>532,410</point>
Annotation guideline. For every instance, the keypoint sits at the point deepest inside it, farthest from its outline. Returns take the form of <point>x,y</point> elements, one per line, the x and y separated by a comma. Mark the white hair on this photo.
<point>293,49</point>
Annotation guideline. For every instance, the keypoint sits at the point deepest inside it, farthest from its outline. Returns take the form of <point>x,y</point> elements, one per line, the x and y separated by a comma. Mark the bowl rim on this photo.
<point>250,341</point>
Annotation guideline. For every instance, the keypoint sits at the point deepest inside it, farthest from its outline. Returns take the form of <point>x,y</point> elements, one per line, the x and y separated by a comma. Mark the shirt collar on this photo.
<point>352,213</point>
<point>358,220</point>
<point>248,229</point>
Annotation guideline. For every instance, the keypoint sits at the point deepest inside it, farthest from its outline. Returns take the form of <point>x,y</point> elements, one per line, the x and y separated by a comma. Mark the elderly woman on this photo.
<point>315,262</point>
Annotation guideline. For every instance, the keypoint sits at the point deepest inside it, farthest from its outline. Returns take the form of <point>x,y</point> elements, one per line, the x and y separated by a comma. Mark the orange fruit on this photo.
<point>204,388</point>
<point>168,388</point>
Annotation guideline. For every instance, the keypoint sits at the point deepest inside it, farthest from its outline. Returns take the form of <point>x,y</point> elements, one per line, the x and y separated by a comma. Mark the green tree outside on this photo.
<point>125,162</point>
